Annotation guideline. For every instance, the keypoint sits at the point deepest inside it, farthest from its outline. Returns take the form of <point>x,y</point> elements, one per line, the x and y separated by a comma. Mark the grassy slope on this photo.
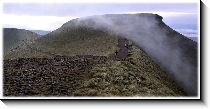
<point>78,41</point>
<point>13,38</point>
<point>136,76</point>
<point>71,42</point>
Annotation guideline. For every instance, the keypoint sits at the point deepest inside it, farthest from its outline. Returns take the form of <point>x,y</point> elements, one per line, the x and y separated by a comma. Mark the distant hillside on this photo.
<point>40,32</point>
<point>70,42</point>
<point>15,38</point>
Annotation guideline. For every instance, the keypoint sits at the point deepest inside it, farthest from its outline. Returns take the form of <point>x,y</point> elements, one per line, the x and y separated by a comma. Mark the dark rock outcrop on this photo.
<point>58,76</point>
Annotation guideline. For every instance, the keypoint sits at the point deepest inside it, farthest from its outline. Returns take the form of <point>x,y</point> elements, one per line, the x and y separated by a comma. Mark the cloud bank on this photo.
<point>47,23</point>
<point>178,14</point>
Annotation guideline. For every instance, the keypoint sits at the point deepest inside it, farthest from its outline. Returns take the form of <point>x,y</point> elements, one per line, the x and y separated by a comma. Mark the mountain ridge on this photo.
<point>157,39</point>
<point>167,48</point>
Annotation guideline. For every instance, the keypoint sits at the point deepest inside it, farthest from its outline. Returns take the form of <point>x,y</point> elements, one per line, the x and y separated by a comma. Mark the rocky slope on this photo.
<point>132,75</point>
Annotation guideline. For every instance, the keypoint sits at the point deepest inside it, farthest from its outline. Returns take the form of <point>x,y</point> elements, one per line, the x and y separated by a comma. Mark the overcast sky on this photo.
<point>49,16</point>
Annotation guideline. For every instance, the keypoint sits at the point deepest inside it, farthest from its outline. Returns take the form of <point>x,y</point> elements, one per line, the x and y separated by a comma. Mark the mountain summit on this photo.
<point>175,53</point>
